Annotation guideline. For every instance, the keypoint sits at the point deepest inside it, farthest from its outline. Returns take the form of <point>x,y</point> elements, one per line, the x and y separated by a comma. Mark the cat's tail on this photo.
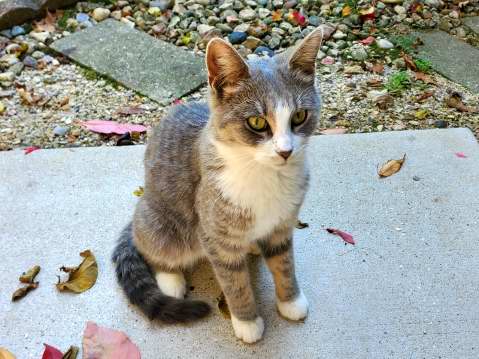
<point>137,280</point>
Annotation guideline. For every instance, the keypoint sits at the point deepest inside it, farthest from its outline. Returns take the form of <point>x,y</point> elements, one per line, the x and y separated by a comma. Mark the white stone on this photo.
<point>40,36</point>
<point>203,29</point>
<point>384,44</point>
<point>100,14</point>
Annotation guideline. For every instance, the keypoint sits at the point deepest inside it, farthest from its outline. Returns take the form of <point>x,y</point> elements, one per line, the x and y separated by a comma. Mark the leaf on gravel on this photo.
<point>29,275</point>
<point>277,15</point>
<point>111,127</point>
<point>130,110</point>
<point>46,24</point>
<point>391,167</point>
<point>374,82</point>
<point>378,68</point>
<point>421,114</point>
<point>301,225</point>
<point>424,96</point>
<point>409,62</point>
<point>5,354</point>
<point>346,11</point>
<point>460,155</point>
<point>455,101</point>
<point>71,353</point>
<point>28,97</point>
<point>139,191</point>
<point>51,353</point>
<point>421,76</point>
<point>80,278</point>
<point>30,149</point>
<point>223,306</point>
<point>368,40</point>
<point>348,238</point>
<point>384,101</point>
<point>104,343</point>
<point>334,131</point>
<point>23,291</point>
<point>368,14</point>
<point>298,18</point>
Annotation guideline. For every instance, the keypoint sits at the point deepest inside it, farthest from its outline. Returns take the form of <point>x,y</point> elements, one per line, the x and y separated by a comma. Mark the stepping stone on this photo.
<point>453,58</point>
<point>154,68</point>
<point>407,289</point>
<point>472,23</point>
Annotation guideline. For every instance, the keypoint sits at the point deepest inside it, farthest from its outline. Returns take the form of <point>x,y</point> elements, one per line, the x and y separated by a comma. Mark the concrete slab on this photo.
<point>408,289</point>
<point>473,23</point>
<point>152,67</point>
<point>453,58</point>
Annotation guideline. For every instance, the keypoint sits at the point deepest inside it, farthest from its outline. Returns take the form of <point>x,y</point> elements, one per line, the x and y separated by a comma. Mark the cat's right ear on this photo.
<point>225,66</point>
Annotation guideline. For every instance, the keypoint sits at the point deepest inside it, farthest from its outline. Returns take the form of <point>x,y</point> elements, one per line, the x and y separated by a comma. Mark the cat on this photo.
<point>221,177</point>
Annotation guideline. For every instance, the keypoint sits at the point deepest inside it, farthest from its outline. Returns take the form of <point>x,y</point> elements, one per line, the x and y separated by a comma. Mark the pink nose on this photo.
<point>285,154</point>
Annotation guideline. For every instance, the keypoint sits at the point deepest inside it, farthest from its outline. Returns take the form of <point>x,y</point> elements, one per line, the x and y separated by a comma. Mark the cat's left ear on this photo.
<point>304,55</point>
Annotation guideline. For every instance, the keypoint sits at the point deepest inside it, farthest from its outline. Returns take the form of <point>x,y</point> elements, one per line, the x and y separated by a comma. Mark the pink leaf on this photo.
<point>328,60</point>
<point>112,127</point>
<point>300,19</point>
<point>104,343</point>
<point>51,353</point>
<point>345,236</point>
<point>460,155</point>
<point>368,40</point>
<point>30,149</point>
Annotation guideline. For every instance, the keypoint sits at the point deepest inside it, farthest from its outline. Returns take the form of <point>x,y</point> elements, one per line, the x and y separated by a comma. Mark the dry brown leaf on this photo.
<point>46,24</point>
<point>455,101</point>
<point>23,291</point>
<point>378,68</point>
<point>424,96</point>
<point>71,353</point>
<point>391,167</point>
<point>80,278</point>
<point>223,306</point>
<point>130,110</point>
<point>384,101</point>
<point>5,354</point>
<point>29,275</point>
<point>409,62</point>
<point>374,82</point>
<point>301,225</point>
<point>334,131</point>
<point>421,76</point>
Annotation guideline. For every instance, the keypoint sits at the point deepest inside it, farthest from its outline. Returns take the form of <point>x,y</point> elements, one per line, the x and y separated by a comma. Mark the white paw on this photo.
<point>172,284</point>
<point>249,331</point>
<point>295,309</point>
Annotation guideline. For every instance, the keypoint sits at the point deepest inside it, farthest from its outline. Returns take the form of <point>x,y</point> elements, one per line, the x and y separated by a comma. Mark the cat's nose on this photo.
<point>285,154</point>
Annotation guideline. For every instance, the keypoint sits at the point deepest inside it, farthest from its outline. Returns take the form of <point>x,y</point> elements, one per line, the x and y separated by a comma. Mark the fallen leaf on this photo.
<point>27,97</point>
<point>374,82</point>
<point>301,225</point>
<point>368,40</point>
<point>421,114</point>
<point>112,127</point>
<point>460,155</point>
<point>384,101</point>
<point>421,76</point>
<point>186,39</point>
<point>5,354</point>
<point>409,62</point>
<point>29,275</point>
<point>104,343</point>
<point>346,11</point>
<point>299,18</point>
<point>130,110</point>
<point>30,149</point>
<point>367,14</point>
<point>455,101</point>
<point>328,60</point>
<point>23,291</point>
<point>344,235</point>
<point>45,24</point>
<point>178,101</point>
<point>378,68</point>
<point>223,306</point>
<point>277,15</point>
<point>80,278</point>
<point>333,131</point>
<point>51,353</point>
<point>422,97</point>
<point>139,191</point>
<point>71,353</point>
<point>391,167</point>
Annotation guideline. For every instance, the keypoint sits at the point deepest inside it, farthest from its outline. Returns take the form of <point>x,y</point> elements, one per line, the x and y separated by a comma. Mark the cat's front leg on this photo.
<point>231,269</point>
<point>278,252</point>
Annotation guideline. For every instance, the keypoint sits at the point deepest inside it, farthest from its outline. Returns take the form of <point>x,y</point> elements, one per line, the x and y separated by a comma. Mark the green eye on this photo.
<point>299,117</point>
<point>257,123</point>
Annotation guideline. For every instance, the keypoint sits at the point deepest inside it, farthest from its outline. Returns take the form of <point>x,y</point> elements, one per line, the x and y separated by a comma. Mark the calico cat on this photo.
<point>219,178</point>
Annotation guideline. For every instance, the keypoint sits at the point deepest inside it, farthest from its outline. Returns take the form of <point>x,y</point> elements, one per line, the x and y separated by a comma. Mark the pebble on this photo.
<point>274,42</point>
<point>8,60</point>
<point>263,13</point>
<point>100,14</point>
<point>82,17</point>
<point>384,44</point>
<point>162,4</point>
<point>7,76</point>
<point>17,30</point>
<point>42,36</point>
<point>60,131</point>
<point>237,37</point>
<point>17,68</point>
<point>38,55</point>
<point>358,52</point>
<point>338,35</point>
<point>203,29</point>
<point>247,14</point>
<point>400,10</point>
<point>29,61</point>
<point>154,11</point>
<point>440,124</point>
<point>314,20</point>
<point>251,42</point>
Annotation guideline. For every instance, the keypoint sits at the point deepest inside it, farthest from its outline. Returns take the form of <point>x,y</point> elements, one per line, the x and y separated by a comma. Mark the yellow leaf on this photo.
<point>139,191</point>
<point>29,275</point>
<point>23,291</point>
<point>391,167</point>
<point>2,108</point>
<point>421,114</point>
<point>5,354</point>
<point>346,11</point>
<point>277,15</point>
<point>80,278</point>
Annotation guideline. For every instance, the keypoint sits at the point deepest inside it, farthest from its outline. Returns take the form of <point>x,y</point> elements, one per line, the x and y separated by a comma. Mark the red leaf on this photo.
<point>345,236</point>
<point>368,40</point>
<point>30,149</point>
<point>111,127</point>
<point>51,353</point>
<point>300,19</point>
<point>105,343</point>
<point>460,155</point>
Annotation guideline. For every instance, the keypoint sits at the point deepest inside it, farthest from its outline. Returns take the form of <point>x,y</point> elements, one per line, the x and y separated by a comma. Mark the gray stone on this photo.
<point>247,14</point>
<point>472,23</point>
<point>17,68</point>
<point>60,131</point>
<point>451,57</point>
<point>203,29</point>
<point>338,35</point>
<point>8,76</point>
<point>17,30</point>
<point>384,44</point>
<point>149,66</point>
<point>407,289</point>
<point>263,12</point>
<point>358,52</point>
<point>8,60</point>
<point>42,36</point>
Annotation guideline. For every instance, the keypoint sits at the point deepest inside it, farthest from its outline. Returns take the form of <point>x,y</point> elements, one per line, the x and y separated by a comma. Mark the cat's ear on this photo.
<point>225,65</point>
<point>304,55</point>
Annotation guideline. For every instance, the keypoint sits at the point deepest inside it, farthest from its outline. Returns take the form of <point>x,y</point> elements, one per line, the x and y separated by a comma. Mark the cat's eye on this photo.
<point>299,117</point>
<point>257,123</point>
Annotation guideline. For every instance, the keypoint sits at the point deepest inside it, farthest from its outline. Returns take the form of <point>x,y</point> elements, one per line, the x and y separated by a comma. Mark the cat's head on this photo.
<point>265,108</point>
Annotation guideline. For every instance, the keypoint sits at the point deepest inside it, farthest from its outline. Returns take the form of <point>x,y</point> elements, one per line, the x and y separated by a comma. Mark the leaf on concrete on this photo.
<point>139,191</point>
<point>460,155</point>
<point>71,353</point>
<point>301,225</point>
<point>391,167</point>
<point>334,131</point>
<point>30,149</point>
<point>348,238</point>
<point>104,343</point>
<point>29,275</point>
<point>5,354</point>
<point>112,127</point>
<point>223,306</point>
<point>80,278</point>
<point>23,291</point>
<point>51,353</point>
<point>455,101</point>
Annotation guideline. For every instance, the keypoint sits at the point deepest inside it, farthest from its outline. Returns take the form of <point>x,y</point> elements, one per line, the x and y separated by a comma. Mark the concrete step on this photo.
<point>408,289</point>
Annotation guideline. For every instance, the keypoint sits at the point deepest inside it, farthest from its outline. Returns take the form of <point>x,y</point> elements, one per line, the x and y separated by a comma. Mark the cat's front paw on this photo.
<point>249,331</point>
<point>295,309</point>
